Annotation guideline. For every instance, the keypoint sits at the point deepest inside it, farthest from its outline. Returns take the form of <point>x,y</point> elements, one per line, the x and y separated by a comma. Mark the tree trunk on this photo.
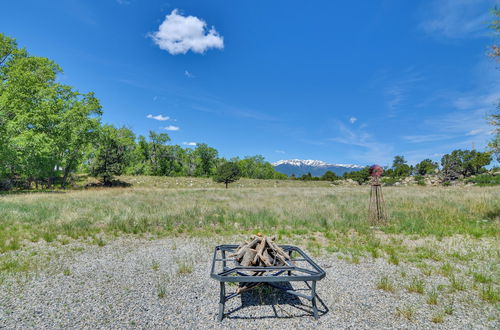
<point>67,169</point>
<point>226,185</point>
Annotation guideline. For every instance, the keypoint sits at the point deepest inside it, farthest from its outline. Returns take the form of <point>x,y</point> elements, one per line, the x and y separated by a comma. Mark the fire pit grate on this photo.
<point>301,268</point>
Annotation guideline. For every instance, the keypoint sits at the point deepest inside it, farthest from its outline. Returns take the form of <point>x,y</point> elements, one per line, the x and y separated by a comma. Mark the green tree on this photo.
<point>307,177</point>
<point>256,167</point>
<point>158,152</point>
<point>206,158</point>
<point>113,153</point>
<point>400,167</point>
<point>360,176</point>
<point>426,166</point>
<point>45,126</point>
<point>329,176</point>
<point>464,163</point>
<point>227,173</point>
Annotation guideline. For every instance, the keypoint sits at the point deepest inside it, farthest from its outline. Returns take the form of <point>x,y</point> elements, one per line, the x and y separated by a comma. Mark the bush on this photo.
<point>420,180</point>
<point>390,181</point>
<point>5,184</point>
<point>485,180</point>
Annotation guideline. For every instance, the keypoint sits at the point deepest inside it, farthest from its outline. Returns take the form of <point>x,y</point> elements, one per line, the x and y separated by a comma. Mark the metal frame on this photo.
<point>288,273</point>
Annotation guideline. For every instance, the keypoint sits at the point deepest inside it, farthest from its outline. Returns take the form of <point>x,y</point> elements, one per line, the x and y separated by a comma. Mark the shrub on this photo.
<point>485,180</point>
<point>390,181</point>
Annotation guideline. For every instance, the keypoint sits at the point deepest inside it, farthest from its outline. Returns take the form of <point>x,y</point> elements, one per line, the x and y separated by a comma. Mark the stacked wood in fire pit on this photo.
<point>261,251</point>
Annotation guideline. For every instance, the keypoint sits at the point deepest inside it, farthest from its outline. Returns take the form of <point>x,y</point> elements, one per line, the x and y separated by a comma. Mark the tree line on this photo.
<point>456,165</point>
<point>49,131</point>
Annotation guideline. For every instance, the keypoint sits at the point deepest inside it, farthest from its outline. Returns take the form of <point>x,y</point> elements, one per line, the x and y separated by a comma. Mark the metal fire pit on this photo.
<point>302,268</point>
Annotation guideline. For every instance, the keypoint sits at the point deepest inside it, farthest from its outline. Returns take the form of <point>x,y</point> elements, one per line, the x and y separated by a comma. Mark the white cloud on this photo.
<point>188,74</point>
<point>371,152</point>
<point>399,89</point>
<point>426,138</point>
<point>179,34</point>
<point>191,144</point>
<point>352,120</point>
<point>171,128</point>
<point>279,151</point>
<point>477,131</point>
<point>471,123</point>
<point>158,117</point>
<point>456,19</point>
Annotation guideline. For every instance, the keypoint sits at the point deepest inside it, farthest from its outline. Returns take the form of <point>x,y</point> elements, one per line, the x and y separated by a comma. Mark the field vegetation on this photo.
<point>194,207</point>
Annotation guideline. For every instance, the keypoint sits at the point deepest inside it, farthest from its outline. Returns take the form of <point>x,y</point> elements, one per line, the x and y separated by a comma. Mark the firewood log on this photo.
<point>266,258</point>
<point>248,257</point>
<point>241,252</point>
<point>260,250</point>
<point>276,248</point>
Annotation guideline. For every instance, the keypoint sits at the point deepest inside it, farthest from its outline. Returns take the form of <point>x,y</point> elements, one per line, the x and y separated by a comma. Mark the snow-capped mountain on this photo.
<point>299,167</point>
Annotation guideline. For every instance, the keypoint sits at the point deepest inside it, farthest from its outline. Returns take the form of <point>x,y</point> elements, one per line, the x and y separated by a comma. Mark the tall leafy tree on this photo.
<point>256,167</point>
<point>426,166</point>
<point>45,125</point>
<point>464,163</point>
<point>158,152</point>
<point>400,167</point>
<point>206,158</point>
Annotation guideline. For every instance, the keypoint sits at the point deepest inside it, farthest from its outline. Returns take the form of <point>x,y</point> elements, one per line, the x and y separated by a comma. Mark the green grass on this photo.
<point>184,268</point>
<point>432,298</point>
<point>438,317</point>
<point>457,284</point>
<point>385,284</point>
<point>161,291</point>
<point>416,286</point>
<point>489,294</point>
<point>481,278</point>
<point>407,312</point>
<point>447,270</point>
<point>449,309</point>
<point>13,265</point>
<point>155,206</point>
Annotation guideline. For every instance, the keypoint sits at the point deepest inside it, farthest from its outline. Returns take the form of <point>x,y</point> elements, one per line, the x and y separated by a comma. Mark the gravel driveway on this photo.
<point>132,283</point>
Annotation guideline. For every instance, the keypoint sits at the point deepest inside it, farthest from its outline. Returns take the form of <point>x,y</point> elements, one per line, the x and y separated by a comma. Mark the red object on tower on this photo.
<point>376,171</point>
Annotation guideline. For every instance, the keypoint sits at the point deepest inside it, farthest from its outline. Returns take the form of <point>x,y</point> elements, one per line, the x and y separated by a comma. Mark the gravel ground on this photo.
<point>132,283</point>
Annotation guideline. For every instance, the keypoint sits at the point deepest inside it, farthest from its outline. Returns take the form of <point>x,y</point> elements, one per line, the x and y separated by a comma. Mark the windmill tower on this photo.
<point>376,209</point>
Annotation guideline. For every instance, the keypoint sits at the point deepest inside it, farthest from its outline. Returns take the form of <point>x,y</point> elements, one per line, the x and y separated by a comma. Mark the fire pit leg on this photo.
<point>222,300</point>
<point>313,300</point>
<point>290,255</point>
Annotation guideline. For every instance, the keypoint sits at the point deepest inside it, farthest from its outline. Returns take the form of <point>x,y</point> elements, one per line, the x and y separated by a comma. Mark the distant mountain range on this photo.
<point>315,167</point>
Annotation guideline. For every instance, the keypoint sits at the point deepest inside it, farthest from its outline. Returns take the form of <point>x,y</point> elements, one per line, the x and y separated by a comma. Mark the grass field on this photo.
<point>200,207</point>
<point>447,231</point>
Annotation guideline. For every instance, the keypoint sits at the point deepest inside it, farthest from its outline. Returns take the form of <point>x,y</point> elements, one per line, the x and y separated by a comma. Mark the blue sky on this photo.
<point>343,82</point>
